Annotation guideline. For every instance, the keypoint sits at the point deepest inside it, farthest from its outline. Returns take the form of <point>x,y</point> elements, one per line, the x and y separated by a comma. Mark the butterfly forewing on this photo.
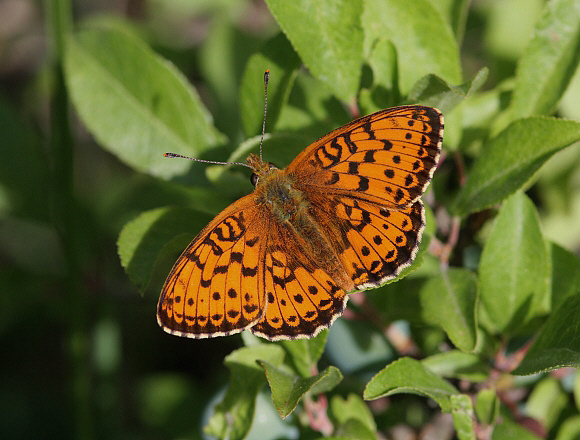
<point>387,157</point>
<point>215,287</point>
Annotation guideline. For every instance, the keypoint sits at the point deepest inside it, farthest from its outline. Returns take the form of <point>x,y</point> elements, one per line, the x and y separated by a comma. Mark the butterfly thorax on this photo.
<point>277,191</point>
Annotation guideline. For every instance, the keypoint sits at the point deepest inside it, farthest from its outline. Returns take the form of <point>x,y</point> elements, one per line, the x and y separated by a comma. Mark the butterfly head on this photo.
<point>260,169</point>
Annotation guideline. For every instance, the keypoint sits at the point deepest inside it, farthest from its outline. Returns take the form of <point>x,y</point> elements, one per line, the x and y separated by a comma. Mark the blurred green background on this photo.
<point>82,354</point>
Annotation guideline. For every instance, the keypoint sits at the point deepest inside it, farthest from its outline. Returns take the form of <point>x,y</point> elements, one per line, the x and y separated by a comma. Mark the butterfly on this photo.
<point>344,215</point>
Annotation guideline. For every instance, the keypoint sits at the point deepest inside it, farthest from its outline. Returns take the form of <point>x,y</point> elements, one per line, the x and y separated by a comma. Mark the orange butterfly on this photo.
<point>345,215</point>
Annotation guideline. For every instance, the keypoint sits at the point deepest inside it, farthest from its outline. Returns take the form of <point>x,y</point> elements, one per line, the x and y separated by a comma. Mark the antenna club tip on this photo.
<point>266,75</point>
<point>168,154</point>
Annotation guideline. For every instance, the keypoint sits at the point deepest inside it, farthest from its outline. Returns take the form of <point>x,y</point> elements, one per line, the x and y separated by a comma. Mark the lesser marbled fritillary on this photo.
<point>345,215</point>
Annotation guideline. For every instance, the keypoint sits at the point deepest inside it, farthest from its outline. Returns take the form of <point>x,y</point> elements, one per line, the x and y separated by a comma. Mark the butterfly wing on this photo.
<point>301,297</point>
<point>364,182</point>
<point>387,157</point>
<point>245,270</point>
<point>374,243</point>
<point>216,286</point>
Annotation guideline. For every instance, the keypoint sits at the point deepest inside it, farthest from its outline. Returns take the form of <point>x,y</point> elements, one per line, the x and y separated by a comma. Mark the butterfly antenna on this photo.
<point>266,78</point>
<point>215,162</point>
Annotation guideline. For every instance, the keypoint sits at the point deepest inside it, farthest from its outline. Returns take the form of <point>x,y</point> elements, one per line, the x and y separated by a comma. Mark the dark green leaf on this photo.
<point>407,375</point>
<point>278,148</point>
<point>435,92</point>
<point>354,429</point>
<point>305,353</point>
<point>514,269</point>
<point>511,158</point>
<point>288,389</point>
<point>449,300</point>
<point>508,429</point>
<point>278,57</point>
<point>457,364</point>
<point>463,418</point>
<point>487,406</point>
<point>353,407</point>
<point>312,110</point>
<point>384,92</point>
<point>135,103</point>
<point>565,274</point>
<point>548,63</point>
<point>153,236</point>
<point>328,37</point>
<point>233,416</point>
<point>425,43</point>
<point>557,344</point>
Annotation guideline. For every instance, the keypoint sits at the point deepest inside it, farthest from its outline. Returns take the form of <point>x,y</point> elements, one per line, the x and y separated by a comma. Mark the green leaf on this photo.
<point>312,110</point>
<point>565,274</point>
<point>353,407</point>
<point>400,300</point>
<point>455,13</point>
<point>135,103</point>
<point>487,406</point>
<point>508,29</point>
<point>233,416</point>
<point>449,300</point>
<point>458,364</point>
<point>514,269</point>
<point>425,43</point>
<point>408,375</point>
<point>462,412</point>
<point>546,402</point>
<point>549,61</point>
<point>288,389</point>
<point>435,92</point>
<point>557,344</point>
<point>327,35</point>
<point>480,111</point>
<point>509,160</point>
<point>278,57</point>
<point>305,353</point>
<point>570,429</point>
<point>385,87</point>
<point>153,236</point>
<point>508,429</point>
<point>353,429</point>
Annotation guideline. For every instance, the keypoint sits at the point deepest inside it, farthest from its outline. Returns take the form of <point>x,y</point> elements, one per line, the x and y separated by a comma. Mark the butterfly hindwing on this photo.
<point>301,298</point>
<point>374,243</point>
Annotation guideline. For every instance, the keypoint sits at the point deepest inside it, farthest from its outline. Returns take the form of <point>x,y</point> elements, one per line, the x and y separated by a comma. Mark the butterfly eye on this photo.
<point>254,179</point>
